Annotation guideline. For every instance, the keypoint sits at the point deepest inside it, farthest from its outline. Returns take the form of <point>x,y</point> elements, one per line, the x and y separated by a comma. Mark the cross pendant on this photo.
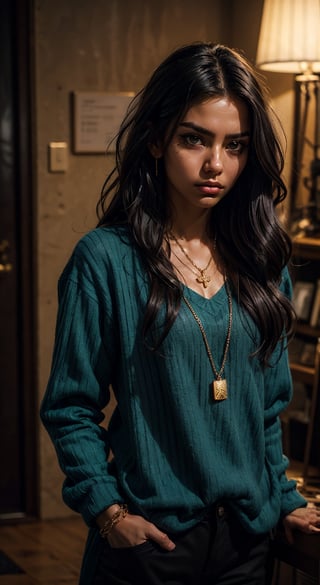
<point>203,279</point>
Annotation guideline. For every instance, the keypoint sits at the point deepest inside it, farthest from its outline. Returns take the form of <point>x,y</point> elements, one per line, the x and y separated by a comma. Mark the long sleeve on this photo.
<point>278,388</point>
<point>78,390</point>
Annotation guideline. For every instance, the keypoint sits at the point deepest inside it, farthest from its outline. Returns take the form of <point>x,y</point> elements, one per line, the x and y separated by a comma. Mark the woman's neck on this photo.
<point>191,229</point>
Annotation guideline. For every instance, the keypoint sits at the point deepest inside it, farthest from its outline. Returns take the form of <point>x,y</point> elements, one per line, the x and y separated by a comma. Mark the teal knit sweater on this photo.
<point>175,450</point>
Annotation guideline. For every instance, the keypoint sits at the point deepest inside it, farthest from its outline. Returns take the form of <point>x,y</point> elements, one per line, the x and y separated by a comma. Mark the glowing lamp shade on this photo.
<point>289,38</point>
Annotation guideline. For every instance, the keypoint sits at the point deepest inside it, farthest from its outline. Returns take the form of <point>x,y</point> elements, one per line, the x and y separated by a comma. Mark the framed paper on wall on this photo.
<point>97,117</point>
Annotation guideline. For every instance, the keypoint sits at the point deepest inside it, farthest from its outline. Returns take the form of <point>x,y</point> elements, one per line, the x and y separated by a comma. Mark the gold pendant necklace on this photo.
<point>219,385</point>
<point>202,277</point>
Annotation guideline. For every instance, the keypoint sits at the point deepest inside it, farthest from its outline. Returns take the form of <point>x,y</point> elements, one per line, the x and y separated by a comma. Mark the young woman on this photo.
<point>180,301</point>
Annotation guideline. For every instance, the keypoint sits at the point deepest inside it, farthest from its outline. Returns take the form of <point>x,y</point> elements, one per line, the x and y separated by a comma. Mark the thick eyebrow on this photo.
<point>197,128</point>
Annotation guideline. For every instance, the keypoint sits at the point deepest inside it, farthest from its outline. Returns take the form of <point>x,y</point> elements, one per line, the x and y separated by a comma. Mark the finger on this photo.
<point>313,529</point>
<point>313,519</point>
<point>308,528</point>
<point>160,538</point>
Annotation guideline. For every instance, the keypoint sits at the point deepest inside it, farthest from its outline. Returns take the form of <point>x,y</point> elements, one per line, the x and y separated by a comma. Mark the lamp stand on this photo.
<point>306,217</point>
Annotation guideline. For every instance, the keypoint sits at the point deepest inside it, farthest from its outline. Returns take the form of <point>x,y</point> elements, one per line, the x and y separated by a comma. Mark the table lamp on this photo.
<point>289,42</point>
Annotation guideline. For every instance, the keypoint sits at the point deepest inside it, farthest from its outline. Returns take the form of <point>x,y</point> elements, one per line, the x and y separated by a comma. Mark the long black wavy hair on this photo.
<point>250,239</point>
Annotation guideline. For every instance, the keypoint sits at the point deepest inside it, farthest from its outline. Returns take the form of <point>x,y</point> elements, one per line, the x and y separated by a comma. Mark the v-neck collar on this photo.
<point>211,304</point>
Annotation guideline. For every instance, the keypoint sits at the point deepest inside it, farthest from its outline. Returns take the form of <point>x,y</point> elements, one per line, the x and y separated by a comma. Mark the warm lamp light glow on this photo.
<point>290,36</point>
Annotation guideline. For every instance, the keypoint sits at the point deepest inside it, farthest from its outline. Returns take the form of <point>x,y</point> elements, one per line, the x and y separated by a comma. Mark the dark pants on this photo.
<point>217,551</point>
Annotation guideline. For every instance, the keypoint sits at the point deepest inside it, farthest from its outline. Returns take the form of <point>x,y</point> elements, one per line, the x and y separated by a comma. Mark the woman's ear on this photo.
<point>155,150</point>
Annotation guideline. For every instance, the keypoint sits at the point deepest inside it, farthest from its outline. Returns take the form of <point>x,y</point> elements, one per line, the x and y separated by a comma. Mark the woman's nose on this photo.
<point>213,162</point>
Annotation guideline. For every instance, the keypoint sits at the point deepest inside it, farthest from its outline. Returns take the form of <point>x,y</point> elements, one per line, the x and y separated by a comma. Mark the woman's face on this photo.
<point>206,154</point>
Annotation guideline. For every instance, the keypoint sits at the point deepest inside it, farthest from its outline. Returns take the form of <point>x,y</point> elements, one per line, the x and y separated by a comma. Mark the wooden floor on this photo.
<point>50,552</point>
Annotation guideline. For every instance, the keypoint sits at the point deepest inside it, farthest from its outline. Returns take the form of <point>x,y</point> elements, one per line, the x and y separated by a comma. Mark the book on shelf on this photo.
<point>315,311</point>
<point>295,349</point>
<point>301,352</point>
<point>308,354</point>
<point>303,294</point>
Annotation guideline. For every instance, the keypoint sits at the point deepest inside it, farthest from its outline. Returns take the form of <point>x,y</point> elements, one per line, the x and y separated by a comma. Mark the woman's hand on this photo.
<point>304,519</point>
<point>133,530</point>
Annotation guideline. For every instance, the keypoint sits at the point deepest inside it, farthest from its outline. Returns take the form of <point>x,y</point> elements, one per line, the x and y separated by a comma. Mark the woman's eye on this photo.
<point>191,139</point>
<point>236,146</point>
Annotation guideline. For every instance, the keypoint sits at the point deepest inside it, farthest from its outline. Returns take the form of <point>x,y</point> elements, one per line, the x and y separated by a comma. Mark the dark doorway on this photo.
<point>18,458</point>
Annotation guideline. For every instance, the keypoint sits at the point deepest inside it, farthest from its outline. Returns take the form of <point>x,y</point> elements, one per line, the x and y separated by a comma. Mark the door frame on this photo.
<point>24,129</point>
<point>28,250</point>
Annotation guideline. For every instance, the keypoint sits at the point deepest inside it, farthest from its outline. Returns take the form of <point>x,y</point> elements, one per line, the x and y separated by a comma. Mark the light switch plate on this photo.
<point>58,157</point>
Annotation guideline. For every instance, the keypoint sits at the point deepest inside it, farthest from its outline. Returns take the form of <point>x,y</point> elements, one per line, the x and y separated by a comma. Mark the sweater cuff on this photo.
<point>291,501</point>
<point>92,501</point>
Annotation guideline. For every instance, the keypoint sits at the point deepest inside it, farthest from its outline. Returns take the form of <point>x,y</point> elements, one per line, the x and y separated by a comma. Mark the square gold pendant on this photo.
<point>220,389</point>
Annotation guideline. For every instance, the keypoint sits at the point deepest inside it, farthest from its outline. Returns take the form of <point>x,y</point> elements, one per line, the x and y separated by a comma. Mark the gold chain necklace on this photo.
<point>189,267</point>
<point>202,278</point>
<point>219,386</point>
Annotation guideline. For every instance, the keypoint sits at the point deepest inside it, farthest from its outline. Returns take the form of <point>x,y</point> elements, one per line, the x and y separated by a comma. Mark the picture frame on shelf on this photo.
<point>315,312</point>
<point>303,294</point>
<point>302,352</point>
<point>295,349</point>
<point>308,354</point>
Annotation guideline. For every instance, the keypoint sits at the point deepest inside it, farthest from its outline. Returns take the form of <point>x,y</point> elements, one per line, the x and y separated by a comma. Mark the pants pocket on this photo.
<point>132,565</point>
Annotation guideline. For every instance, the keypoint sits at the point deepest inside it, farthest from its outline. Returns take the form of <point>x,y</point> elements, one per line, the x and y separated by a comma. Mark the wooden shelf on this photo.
<point>307,248</point>
<point>306,329</point>
<point>302,373</point>
<point>306,267</point>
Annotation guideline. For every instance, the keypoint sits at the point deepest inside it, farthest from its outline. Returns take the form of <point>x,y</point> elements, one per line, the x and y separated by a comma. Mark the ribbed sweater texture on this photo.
<point>169,451</point>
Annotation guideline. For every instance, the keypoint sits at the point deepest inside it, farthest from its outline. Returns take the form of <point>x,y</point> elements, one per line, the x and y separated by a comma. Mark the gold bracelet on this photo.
<point>117,516</point>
